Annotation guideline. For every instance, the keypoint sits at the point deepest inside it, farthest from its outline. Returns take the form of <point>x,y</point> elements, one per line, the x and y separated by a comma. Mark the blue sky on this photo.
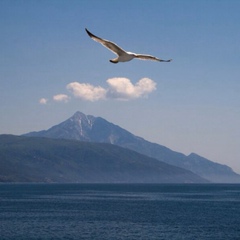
<point>50,68</point>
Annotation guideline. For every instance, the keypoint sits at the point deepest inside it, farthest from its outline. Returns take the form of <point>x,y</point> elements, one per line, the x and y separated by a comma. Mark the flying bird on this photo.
<point>122,55</point>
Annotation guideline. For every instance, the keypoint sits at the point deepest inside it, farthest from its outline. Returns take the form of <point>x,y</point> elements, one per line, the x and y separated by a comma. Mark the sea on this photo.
<point>120,211</point>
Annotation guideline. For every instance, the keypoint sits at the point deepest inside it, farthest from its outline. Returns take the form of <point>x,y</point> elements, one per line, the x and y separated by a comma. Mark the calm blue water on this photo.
<point>121,211</point>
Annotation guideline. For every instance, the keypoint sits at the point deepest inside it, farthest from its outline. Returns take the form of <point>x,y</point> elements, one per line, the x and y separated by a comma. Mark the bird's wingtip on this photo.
<point>169,60</point>
<point>89,33</point>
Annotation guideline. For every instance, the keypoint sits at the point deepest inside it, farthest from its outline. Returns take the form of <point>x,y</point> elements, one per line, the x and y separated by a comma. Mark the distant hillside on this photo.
<point>30,159</point>
<point>96,129</point>
<point>210,170</point>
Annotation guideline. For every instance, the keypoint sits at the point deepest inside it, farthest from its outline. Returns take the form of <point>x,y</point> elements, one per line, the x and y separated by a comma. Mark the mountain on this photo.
<point>96,129</point>
<point>210,170</point>
<point>35,159</point>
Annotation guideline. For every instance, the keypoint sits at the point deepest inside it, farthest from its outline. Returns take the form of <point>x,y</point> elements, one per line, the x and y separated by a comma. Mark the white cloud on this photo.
<point>87,91</point>
<point>118,88</point>
<point>122,88</point>
<point>61,98</point>
<point>43,101</point>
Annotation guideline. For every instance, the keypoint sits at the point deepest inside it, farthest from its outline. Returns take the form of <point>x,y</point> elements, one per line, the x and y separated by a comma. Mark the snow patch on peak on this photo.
<point>80,125</point>
<point>90,121</point>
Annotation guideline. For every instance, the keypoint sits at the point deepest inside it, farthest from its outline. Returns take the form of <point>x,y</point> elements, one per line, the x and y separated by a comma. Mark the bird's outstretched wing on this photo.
<point>149,57</point>
<point>110,45</point>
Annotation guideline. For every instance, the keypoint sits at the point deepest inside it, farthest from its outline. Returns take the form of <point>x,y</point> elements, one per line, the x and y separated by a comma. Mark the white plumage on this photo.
<point>123,56</point>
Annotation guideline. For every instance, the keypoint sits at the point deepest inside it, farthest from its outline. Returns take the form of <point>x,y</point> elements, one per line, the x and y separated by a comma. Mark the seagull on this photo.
<point>122,55</point>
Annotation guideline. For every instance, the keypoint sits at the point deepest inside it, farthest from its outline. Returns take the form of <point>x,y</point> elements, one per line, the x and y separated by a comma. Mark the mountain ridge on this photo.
<point>37,159</point>
<point>96,129</point>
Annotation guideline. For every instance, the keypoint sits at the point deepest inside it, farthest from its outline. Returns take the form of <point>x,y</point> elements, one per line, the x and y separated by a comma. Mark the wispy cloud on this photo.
<point>61,98</point>
<point>43,101</point>
<point>118,88</point>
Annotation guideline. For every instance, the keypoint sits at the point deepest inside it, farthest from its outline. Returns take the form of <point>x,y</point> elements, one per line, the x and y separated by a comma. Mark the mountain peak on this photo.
<point>77,127</point>
<point>78,114</point>
<point>82,120</point>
